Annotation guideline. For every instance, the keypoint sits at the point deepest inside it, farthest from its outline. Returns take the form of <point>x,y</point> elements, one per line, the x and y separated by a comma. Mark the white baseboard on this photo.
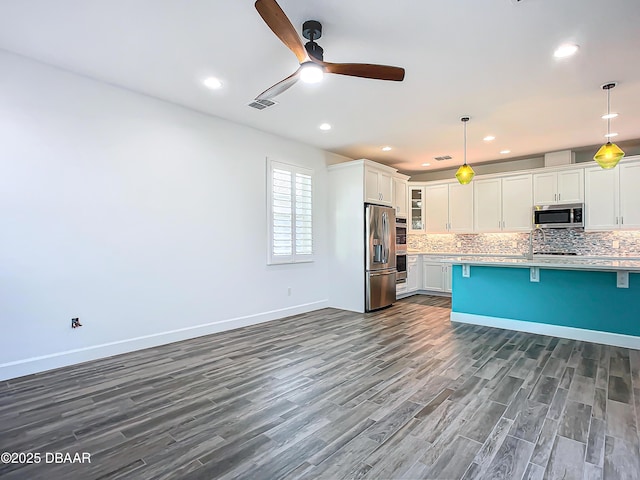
<point>43,363</point>
<point>606,338</point>
<point>435,293</point>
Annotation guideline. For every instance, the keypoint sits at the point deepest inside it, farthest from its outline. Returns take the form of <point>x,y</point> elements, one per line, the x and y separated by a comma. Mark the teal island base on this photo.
<point>577,304</point>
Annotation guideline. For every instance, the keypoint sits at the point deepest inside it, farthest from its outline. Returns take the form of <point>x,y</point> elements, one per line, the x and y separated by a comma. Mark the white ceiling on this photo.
<point>489,59</point>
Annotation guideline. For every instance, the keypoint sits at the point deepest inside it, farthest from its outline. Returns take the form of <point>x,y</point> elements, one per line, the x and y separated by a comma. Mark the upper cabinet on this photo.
<point>416,209</point>
<point>400,194</point>
<point>436,199</point>
<point>560,186</point>
<point>503,204</point>
<point>448,208</point>
<point>517,203</point>
<point>612,197</point>
<point>378,185</point>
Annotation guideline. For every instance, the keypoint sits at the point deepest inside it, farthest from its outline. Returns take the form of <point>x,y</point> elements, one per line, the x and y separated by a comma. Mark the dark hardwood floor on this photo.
<point>397,394</point>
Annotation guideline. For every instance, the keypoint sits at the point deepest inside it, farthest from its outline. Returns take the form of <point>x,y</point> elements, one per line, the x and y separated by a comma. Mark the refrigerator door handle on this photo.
<point>381,273</point>
<point>385,235</point>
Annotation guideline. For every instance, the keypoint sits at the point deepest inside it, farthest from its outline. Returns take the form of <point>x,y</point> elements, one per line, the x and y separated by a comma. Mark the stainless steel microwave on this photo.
<point>568,215</point>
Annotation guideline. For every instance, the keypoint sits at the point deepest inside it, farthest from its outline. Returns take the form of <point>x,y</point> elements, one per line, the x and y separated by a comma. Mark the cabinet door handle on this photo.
<point>616,220</point>
<point>621,220</point>
<point>559,195</point>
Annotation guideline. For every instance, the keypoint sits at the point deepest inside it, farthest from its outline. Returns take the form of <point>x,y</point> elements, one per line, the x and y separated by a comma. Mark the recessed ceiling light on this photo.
<point>488,138</point>
<point>426,164</point>
<point>609,115</point>
<point>325,127</point>
<point>504,152</point>
<point>213,83</point>
<point>609,135</point>
<point>386,149</point>
<point>565,50</point>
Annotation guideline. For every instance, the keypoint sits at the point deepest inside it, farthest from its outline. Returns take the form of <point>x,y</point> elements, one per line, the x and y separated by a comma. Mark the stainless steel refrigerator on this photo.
<point>380,253</point>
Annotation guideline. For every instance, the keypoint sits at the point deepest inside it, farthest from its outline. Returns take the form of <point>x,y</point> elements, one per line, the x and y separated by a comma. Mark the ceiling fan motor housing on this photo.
<point>312,30</point>
<point>314,50</point>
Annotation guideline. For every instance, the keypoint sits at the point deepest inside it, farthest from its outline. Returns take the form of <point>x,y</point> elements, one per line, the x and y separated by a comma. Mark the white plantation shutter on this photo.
<point>290,207</point>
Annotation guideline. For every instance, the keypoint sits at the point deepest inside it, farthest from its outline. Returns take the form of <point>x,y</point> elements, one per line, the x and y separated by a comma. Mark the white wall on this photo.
<point>144,219</point>
<point>481,169</point>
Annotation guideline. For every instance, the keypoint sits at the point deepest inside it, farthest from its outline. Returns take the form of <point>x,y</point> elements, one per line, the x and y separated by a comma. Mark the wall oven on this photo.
<point>401,266</point>
<point>567,215</point>
<point>401,250</point>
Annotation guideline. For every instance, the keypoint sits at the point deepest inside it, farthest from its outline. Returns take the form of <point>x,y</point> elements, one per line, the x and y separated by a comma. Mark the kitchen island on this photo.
<point>584,298</point>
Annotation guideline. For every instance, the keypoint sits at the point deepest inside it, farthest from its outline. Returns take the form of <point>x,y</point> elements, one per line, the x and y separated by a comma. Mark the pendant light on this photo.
<point>609,154</point>
<point>465,173</point>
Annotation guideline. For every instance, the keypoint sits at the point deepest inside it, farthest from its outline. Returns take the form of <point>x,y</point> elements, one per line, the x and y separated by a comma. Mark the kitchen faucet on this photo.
<point>544,239</point>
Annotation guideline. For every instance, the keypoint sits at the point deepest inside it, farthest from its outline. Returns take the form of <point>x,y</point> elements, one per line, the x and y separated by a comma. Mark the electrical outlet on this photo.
<point>459,244</point>
<point>616,244</point>
<point>514,244</point>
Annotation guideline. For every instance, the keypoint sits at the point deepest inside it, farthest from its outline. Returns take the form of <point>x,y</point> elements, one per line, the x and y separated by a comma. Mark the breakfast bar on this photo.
<point>593,299</point>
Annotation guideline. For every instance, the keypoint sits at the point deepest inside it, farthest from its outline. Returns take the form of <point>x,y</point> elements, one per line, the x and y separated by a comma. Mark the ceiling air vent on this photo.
<point>444,157</point>
<point>261,104</point>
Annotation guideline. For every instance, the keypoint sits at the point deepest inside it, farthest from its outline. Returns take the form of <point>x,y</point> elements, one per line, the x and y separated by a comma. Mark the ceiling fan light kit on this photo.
<point>311,72</point>
<point>465,173</point>
<point>609,154</point>
<point>312,53</point>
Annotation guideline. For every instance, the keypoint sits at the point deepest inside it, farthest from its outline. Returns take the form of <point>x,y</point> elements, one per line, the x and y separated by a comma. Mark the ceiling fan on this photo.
<point>312,65</point>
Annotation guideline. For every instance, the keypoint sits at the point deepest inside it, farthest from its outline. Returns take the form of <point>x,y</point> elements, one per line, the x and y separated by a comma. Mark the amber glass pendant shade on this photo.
<point>608,155</point>
<point>465,174</point>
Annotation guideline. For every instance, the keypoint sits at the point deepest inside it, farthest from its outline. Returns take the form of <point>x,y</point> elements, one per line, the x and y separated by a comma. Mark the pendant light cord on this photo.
<point>465,142</point>
<point>609,114</point>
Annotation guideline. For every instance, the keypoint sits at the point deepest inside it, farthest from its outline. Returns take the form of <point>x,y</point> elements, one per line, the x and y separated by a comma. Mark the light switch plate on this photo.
<point>466,270</point>
<point>616,244</point>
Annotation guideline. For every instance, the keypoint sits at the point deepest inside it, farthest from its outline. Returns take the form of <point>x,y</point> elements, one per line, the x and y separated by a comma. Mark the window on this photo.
<point>290,213</point>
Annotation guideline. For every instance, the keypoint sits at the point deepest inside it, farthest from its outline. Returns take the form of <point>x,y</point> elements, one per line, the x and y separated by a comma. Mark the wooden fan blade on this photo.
<point>280,87</point>
<point>278,22</point>
<point>365,70</point>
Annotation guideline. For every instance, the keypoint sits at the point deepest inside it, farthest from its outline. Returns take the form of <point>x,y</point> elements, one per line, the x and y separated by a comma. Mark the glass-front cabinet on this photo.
<point>416,210</point>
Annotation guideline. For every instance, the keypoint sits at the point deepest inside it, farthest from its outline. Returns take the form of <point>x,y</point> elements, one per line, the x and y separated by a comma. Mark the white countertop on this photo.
<point>551,261</point>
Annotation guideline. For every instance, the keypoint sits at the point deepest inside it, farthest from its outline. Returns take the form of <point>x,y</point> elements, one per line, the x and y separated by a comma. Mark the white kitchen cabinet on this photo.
<point>347,182</point>
<point>436,276</point>
<point>449,208</point>
<point>517,203</point>
<point>487,205</point>
<point>559,186</point>
<point>601,199</point>
<point>436,198</point>
<point>447,279</point>
<point>432,276</point>
<point>416,209</point>
<point>612,197</point>
<point>503,204</point>
<point>413,274</point>
<point>630,195</point>
<point>400,195</point>
<point>401,289</point>
<point>461,208</point>
<point>378,186</point>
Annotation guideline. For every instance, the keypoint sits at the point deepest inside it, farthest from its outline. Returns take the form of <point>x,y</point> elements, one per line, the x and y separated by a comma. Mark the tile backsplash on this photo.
<point>608,244</point>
